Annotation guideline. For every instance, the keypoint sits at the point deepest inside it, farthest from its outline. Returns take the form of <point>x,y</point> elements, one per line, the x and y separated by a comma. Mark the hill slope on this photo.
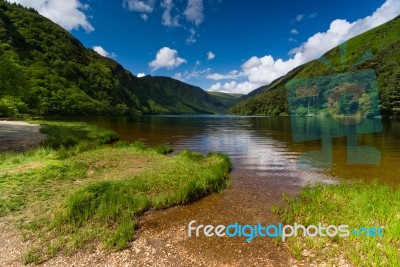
<point>46,71</point>
<point>225,98</point>
<point>384,44</point>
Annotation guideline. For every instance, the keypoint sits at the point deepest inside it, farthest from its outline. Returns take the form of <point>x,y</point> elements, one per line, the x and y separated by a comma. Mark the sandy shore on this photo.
<point>18,123</point>
<point>19,135</point>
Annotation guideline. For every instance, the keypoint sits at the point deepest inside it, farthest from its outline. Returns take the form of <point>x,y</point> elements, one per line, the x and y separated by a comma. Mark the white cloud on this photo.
<point>187,75</point>
<point>292,40</point>
<point>142,6</point>
<point>166,58</point>
<point>232,75</point>
<point>179,76</point>
<point>140,75</point>
<point>144,17</point>
<point>232,87</point>
<point>167,18</point>
<point>210,55</point>
<point>69,14</point>
<point>172,14</point>
<point>215,87</point>
<point>192,37</point>
<point>194,11</point>
<point>263,70</point>
<point>299,17</point>
<point>101,51</point>
<point>294,31</point>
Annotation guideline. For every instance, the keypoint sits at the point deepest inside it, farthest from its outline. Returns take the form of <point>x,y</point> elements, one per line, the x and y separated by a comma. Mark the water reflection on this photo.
<point>262,148</point>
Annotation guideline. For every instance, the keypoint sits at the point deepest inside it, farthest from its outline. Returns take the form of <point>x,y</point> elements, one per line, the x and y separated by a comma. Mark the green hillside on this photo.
<point>253,93</point>
<point>225,98</point>
<point>384,44</point>
<point>46,71</point>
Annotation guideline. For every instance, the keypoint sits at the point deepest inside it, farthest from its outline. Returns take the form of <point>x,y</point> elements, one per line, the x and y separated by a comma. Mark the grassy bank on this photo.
<point>75,192</point>
<point>68,134</point>
<point>357,205</point>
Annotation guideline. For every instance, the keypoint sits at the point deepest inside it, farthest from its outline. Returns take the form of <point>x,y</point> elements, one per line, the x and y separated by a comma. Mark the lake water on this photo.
<point>263,147</point>
<point>265,166</point>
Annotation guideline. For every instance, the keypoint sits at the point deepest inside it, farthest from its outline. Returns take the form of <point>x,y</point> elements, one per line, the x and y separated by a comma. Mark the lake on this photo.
<point>262,147</point>
<point>265,165</point>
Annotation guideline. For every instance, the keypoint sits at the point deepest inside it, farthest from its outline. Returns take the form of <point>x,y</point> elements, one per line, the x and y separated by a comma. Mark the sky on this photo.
<point>230,46</point>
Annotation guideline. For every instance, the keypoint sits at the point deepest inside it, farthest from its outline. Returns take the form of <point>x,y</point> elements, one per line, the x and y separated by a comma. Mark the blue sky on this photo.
<point>219,45</point>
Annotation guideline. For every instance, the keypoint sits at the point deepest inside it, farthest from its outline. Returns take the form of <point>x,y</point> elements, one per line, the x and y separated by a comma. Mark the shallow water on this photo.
<point>17,136</point>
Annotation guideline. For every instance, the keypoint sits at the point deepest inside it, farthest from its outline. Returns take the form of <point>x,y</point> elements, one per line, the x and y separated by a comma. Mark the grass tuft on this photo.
<point>357,205</point>
<point>33,256</point>
<point>112,207</point>
<point>71,134</point>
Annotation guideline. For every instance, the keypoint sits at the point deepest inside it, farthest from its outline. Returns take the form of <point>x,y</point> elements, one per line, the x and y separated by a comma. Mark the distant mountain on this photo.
<point>226,98</point>
<point>384,44</point>
<point>265,88</point>
<point>46,71</point>
<point>253,93</point>
<point>179,97</point>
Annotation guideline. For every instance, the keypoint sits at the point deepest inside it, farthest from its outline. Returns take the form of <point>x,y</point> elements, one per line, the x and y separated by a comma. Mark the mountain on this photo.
<point>46,71</point>
<point>382,44</point>
<point>226,98</point>
<point>167,95</point>
<point>265,88</point>
<point>253,93</point>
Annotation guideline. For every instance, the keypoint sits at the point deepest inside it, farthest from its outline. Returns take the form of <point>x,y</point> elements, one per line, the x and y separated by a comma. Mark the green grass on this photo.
<point>85,193</point>
<point>357,205</point>
<point>33,256</point>
<point>68,134</point>
<point>107,210</point>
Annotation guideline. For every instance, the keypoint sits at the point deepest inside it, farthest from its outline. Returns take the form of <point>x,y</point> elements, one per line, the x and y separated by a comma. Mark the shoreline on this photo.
<point>19,136</point>
<point>18,123</point>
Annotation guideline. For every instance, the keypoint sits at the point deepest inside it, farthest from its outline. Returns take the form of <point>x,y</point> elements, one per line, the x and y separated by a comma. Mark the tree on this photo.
<point>12,77</point>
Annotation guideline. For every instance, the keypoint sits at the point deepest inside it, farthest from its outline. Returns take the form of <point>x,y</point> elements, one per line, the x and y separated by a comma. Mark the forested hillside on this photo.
<point>227,99</point>
<point>46,71</point>
<point>383,43</point>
